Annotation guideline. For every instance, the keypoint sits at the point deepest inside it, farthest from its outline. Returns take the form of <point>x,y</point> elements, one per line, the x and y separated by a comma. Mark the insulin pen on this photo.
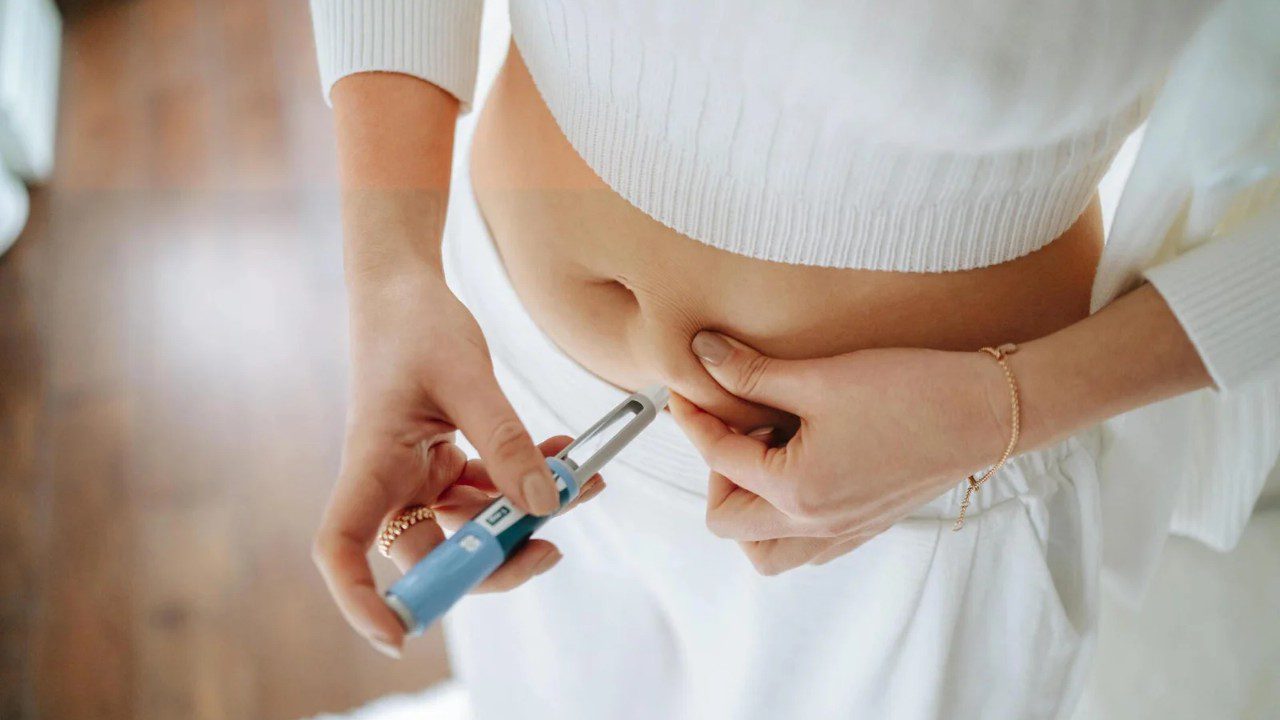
<point>478,548</point>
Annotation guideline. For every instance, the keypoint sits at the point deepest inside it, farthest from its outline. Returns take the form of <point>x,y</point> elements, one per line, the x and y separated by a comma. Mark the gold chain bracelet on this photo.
<point>999,353</point>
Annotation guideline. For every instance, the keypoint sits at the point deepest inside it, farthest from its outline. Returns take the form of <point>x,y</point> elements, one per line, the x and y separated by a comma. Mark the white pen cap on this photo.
<point>657,394</point>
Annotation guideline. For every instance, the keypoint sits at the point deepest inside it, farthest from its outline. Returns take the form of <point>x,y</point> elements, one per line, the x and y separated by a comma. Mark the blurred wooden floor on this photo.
<point>172,372</point>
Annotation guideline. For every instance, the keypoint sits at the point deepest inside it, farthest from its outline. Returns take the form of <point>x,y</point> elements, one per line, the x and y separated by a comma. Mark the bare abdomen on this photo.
<point>623,294</point>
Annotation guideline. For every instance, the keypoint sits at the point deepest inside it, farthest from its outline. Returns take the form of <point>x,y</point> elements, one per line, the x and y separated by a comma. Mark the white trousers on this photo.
<point>650,616</point>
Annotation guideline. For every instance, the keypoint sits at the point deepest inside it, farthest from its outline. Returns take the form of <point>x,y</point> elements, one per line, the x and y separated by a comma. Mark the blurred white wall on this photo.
<point>30,43</point>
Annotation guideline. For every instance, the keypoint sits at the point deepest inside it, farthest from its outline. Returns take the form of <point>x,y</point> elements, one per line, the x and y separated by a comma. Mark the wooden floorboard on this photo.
<point>172,370</point>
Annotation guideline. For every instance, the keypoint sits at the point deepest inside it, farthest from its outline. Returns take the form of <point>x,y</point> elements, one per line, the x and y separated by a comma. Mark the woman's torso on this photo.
<point>623,294</point>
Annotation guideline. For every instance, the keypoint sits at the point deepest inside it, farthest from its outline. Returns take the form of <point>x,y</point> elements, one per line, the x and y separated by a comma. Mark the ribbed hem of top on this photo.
<point>1226,295</point>
<point>847,204</point>
<point>435,40</point>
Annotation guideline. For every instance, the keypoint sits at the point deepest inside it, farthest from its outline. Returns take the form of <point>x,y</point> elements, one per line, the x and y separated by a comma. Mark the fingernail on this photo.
<point>385,647</point>
<point>592,491</point>
<point>762,433</point>
<point>710,347</point>
<point>547,562</point>
<point>540,493</point>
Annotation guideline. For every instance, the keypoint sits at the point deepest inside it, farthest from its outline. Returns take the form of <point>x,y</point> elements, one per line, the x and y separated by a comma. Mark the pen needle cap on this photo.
<point>657,394</point>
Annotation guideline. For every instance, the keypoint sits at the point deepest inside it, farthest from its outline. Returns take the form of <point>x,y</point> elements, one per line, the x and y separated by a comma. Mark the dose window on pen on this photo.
<point>588,445</point>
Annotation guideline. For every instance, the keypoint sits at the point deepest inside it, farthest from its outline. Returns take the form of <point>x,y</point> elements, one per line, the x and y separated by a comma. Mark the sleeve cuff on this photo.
<point>1226,295</point>
<point>436,40</point>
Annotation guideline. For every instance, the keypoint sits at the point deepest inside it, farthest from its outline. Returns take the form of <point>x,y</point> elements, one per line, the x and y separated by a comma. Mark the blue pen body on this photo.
<point>478,548</point>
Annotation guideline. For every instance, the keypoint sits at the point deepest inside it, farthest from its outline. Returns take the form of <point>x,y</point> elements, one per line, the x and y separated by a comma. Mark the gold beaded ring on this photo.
<point>1015,411</point>
<point>407,518</point>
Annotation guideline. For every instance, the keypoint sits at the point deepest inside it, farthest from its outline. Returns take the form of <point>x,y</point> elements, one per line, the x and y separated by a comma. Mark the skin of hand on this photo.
<point>418,377</point>
<point>883,431</point>
<point>420,367</point>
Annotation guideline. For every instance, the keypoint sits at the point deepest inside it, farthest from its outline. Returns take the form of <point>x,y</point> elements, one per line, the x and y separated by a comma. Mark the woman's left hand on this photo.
<point>882,431</point>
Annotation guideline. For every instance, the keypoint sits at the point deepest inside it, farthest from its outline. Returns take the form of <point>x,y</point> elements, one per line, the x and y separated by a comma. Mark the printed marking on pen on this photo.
<point>499,516</point>
<point>502,514</point>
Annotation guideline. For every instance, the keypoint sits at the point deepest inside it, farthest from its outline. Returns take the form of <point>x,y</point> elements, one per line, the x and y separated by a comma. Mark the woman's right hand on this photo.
<point>421,370</point>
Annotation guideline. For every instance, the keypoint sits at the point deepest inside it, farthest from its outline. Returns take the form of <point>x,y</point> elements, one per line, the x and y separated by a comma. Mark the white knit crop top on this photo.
<point>916,136</point>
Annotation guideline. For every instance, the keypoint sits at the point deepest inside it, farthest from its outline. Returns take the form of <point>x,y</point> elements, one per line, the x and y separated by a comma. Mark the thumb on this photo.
<point>750,375</point>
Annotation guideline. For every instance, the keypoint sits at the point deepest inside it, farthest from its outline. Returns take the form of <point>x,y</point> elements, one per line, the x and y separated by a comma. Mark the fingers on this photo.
<point>739,514</point>
<point>750,375</point>
<point>414,544</point>
<point>470,493</point>
<point>375,486</point>
<point>590,489</point>
<point>448,466</point>
<point>671,359</point>
<point>747,460</point>
<point>457,505</point>
<point>378,474</point>
<point>841,548</point>
<point>345,569</point>
<point>476,474</point>
<point>771,557</point>
<point>553,445</point>
<point>535,558</point>
<point>346,573</point>
<point>483,414</point>
<point>460,503</point>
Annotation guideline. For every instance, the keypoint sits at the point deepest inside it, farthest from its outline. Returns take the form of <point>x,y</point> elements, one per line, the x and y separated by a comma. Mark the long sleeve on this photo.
<point>1200,219</point>
<point>1226,295</point>
<point>436,40</point>
<point>1201,214</point>
<point>1222,136</point>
